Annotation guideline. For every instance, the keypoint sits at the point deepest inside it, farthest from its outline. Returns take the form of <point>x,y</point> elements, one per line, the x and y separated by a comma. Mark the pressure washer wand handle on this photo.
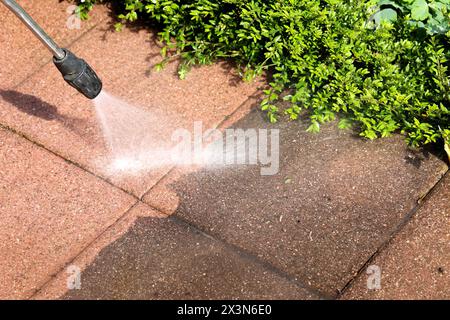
<point>76,71</point>
<point>12,5</point>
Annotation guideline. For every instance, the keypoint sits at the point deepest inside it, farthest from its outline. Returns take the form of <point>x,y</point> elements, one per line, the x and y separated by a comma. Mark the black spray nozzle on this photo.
<point>79,74</point>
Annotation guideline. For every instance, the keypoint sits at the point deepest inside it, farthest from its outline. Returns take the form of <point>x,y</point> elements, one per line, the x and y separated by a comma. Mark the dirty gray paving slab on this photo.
<point>334,201</point>
<point>416,264</point>
<point>162,258</point>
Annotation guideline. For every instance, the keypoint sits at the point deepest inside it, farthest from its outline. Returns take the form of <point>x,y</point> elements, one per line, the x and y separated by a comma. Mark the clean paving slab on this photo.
<point>50,210</point>
<point>22,53</point>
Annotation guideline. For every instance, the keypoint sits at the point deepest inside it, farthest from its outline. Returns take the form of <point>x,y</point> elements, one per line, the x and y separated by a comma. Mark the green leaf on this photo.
<point>385,15</point>
<point>345,123</point>
<point>390,3</point>
<point>314,127</point>
<point>447,149</point>
<point>118,27</point>
<point>183,71</point>
<point>420,10</point>
<point>435,27</point>
<point>370,134</point>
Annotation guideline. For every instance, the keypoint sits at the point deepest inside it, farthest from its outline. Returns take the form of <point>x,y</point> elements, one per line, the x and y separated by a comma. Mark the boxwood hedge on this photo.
<point>379,66</point>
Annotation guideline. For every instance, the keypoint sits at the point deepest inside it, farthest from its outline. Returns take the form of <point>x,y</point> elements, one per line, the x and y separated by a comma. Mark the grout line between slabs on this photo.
<point>252,96</point>
<point>138,199</point>
<point>86,247</point>
<point>385,244</point>
<point>190,228</point>
<point>48,61</point>
<point>252,257</point>
<point>76,164</point>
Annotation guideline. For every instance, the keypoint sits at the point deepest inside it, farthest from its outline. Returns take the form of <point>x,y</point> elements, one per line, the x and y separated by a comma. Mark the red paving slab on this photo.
<point>45,109</point>
<point>21,52</point>
<point>416,264</point>
<point>335,199</point>
<point>149,256</point>
<point>49,211</point>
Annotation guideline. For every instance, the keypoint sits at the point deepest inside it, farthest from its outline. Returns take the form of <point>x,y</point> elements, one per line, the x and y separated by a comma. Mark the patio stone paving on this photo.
<point>49,211</point>
<point>162,258</point>
<point>48,111</point>
<point>416,265</point>
<point>335,199</point>
<point>336,203</point>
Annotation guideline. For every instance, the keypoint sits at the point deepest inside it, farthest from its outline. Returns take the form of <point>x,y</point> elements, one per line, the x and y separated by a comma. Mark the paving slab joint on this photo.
<point>249,256</point>
<point>50,59</point>
<point>389,240</point>
<point>78,254</point>
<point>76,164</point>
<point>255,94</point>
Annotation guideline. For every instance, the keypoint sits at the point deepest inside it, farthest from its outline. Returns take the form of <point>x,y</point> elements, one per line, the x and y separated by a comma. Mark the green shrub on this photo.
<point>329,57</point>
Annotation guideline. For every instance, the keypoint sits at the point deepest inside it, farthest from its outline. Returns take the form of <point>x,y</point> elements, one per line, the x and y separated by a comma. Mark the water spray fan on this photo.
<point>75,71</point>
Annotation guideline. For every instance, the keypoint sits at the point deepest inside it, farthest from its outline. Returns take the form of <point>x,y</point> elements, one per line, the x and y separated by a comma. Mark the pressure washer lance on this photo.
<point>75,71</point>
